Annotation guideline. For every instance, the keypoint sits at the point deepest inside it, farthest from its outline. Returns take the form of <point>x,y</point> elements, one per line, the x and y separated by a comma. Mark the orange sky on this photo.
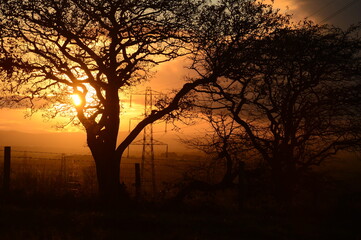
<point>36,130</point>
<point>169,75</point>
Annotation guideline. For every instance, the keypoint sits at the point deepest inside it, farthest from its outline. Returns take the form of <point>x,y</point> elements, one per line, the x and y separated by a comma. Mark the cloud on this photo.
<point>338,12</point>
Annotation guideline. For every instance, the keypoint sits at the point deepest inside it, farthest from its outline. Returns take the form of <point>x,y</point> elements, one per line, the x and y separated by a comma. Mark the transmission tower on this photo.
<point>147,164</point>
<point>147,170</point>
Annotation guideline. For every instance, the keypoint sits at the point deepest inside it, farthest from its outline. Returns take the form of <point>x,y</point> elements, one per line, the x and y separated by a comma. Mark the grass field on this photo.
<point>76,220</point>
<point>332,211</point>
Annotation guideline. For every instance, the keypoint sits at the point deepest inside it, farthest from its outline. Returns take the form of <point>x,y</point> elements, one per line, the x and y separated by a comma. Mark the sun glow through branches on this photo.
<point>76,99</point>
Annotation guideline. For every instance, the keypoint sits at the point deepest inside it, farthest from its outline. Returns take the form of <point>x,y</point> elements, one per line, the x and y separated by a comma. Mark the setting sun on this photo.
<point>76,99</point>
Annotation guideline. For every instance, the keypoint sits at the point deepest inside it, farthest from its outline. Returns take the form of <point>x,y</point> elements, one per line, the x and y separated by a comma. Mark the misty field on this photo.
<point>53,196</point>
<point>57,174</point>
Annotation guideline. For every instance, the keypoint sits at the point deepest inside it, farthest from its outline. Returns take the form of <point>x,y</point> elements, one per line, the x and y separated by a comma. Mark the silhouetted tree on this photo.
<point>50,49</point>
<point>230,25</point>
<point>222,144</point>
<point>297,99</point>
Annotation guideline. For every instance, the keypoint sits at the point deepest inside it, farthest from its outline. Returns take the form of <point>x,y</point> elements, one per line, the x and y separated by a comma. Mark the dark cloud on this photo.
<point>341,13</point>
<point>338,12</point>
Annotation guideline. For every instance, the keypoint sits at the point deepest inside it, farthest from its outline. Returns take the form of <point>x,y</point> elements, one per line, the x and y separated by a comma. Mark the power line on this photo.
<point>322,8</point>
<point>339,11</point>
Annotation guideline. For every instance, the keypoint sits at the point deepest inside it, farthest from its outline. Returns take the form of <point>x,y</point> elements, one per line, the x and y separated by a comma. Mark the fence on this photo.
<point>34,172</point>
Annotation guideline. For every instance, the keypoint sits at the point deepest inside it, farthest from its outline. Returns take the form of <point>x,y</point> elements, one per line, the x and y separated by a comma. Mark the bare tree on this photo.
<point>297,99</point>
<point>223,143</point>
<point>235,28</point>
<point>94,49</point>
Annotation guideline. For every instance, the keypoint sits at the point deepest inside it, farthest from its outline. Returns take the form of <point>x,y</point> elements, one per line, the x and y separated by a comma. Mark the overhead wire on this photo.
<point>322,8</point>
<point>339,11</point>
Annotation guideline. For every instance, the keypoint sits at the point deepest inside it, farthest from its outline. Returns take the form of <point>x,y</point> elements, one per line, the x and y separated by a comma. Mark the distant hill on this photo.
<point>69,142</point>
<point>75,142</point>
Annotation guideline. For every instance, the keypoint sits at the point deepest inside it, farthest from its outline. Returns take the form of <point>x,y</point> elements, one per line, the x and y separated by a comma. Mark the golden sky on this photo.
<point>168,76</point>
<point>36,130</point>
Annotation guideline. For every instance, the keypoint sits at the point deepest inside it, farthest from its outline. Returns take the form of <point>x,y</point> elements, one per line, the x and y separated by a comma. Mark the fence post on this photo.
<point>63,173</point>
<point>7,158</point>
<point>241,185</point>
<point>137,181</point>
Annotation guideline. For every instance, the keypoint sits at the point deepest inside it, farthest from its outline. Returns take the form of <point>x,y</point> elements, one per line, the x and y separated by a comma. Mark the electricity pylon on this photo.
<point>147,170</point>
<point>147,165</point>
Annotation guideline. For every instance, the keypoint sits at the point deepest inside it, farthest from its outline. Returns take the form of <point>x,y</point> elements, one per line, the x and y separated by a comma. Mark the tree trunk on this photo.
<point>283,188</point>
<point>108,175</point>
<point>283,181</point>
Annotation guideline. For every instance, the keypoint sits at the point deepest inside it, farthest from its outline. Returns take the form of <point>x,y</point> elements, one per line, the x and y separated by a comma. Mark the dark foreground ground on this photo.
<point>74,219</point>
<point>332,211</point>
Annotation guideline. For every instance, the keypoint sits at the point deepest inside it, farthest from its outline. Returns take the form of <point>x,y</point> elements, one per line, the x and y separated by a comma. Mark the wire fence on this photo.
<point>35,172</point>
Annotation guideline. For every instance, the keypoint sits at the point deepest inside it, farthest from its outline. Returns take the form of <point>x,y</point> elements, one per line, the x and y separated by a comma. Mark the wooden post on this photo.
<point>7,158</point>
<point>63,173</point>
<point>137,181</point>
<point>241,185</point>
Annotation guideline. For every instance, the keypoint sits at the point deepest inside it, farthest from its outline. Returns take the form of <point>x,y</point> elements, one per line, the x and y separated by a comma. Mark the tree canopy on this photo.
<point>93,49</point>
<point>296,101</point>
<point>50,49</point>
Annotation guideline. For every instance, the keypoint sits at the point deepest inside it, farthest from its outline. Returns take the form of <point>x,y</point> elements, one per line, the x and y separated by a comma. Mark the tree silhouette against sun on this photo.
<point>53,52</point>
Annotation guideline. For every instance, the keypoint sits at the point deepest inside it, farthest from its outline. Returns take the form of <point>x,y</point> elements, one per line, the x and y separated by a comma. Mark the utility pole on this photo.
<point>7,160</point>
<point>63,168</point>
